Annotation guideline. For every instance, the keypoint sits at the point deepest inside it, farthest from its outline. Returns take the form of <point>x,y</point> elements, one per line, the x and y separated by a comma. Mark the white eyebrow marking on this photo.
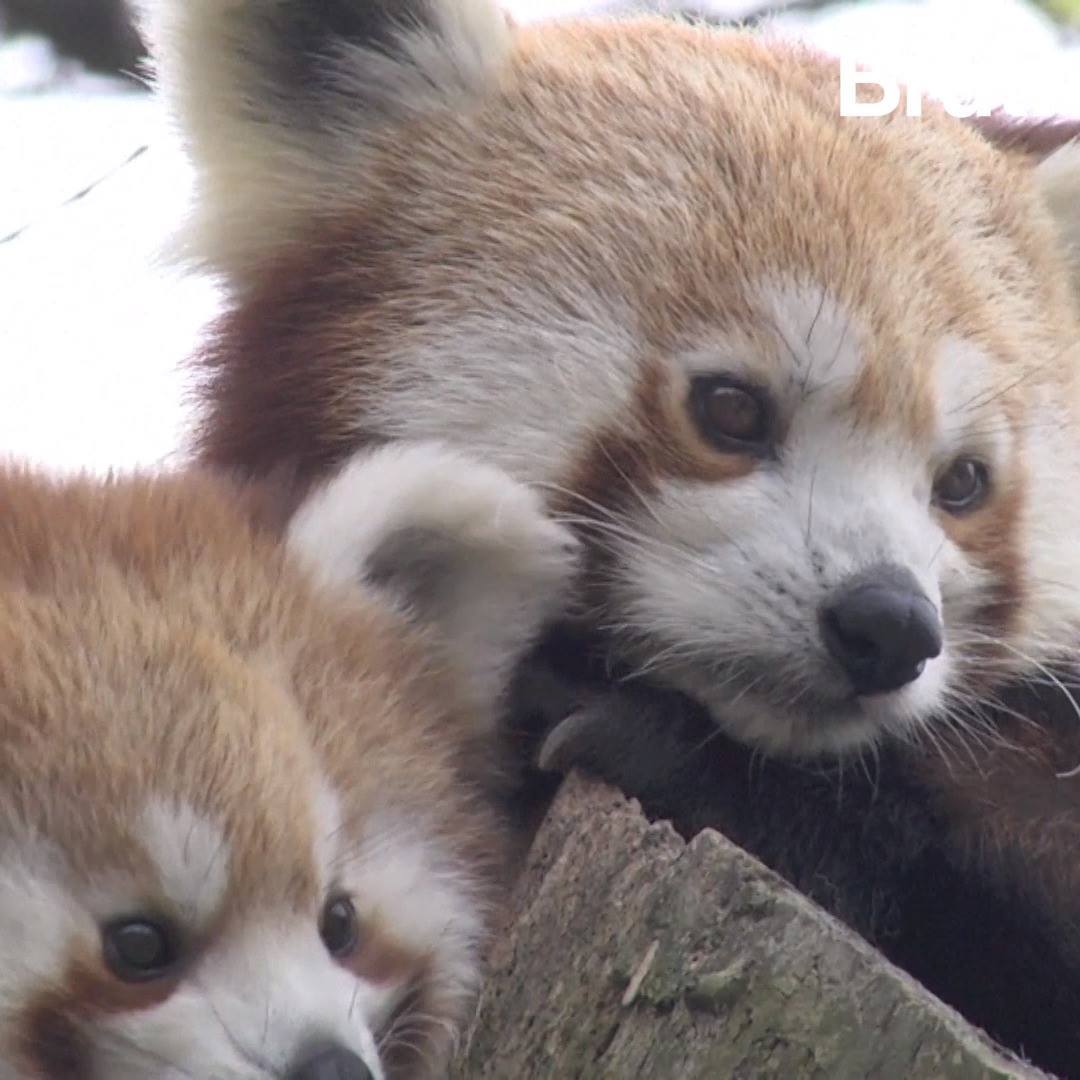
<point>191,855</point>
<point>968,388</point>
<point>814,332</point>
<point>817,342</point>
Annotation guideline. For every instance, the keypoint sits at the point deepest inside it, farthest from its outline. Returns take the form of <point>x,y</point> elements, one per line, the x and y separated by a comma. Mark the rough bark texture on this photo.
<point>633,954</point>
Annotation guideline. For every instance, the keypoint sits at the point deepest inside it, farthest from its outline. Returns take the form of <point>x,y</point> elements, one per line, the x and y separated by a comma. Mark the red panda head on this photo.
<point>807,384</point>
<point>243,824</point>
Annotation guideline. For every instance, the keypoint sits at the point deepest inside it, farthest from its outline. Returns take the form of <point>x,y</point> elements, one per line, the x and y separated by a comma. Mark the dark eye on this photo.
<point>731,415</point>
<point>137,950</point>
<point>339,926</point>
<point>963,486</point>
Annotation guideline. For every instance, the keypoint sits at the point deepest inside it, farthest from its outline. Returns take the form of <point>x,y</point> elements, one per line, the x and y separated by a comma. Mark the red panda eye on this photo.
<point>138,950</point>
<point>339,926</point>
<point>963,486</point>
<point>731,415</point>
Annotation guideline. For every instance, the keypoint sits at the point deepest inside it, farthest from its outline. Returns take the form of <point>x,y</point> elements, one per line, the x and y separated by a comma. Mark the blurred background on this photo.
<point>94,322</point>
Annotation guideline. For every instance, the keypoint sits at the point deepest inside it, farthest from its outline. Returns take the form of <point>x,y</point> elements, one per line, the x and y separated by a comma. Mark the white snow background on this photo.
<point>95,327</point>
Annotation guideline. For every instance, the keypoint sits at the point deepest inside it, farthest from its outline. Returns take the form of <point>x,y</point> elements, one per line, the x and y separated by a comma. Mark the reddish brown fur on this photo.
<point>1014,812</point>
<point>52,1024</point>
<point>292,364</point>
<point>992,536</point>
<point>52,1046</point>
<point>181,550</point>
<point>296,364</point>
<point>380,958</point>
<point>157,642</point>
<point>285,354</point>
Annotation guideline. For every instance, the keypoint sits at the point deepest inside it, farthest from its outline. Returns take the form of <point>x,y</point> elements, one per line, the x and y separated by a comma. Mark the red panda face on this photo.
<point>807,385</point>
<point>160,960</point>
<point>839,582</point>
<point>243,824</point>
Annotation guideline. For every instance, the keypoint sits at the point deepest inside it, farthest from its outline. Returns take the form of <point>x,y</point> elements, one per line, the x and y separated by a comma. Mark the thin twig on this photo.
<point>81,194</point>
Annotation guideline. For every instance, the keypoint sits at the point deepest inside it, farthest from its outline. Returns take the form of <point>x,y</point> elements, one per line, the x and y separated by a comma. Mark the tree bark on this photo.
<point>633,954</point>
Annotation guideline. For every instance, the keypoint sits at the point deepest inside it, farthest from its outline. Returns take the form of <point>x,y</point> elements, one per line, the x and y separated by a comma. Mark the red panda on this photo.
<point>248,825</point>
<point>806,386</point>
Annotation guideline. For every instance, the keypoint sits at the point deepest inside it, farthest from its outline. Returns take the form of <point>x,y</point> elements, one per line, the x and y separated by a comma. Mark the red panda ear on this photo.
<point>278,100</point>
<point>458,546</point>
<point>1037,137</point>
<point>1053,145</point>
<point>1058,178</point>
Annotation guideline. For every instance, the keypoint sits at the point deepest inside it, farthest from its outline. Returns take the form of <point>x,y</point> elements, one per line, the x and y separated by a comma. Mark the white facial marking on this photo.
<point>525,392</point>
<point>726,595</point>
<point>814,346</point>
<point>191,855</point>
<point>270,988</point>
<point>397,871</point>
<point>39,917</point>
<point>968,389</point>
<point>818,342</point>
<point>971,387</point>
<point>1058,179</point>
<point>255,1004</point>
<point>417,892</point>
<point>329,825</point>
<point>264,993</point>
<point>267,991</point>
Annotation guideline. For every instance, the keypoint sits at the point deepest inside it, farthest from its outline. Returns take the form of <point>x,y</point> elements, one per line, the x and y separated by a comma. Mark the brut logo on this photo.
<point>891,92</point>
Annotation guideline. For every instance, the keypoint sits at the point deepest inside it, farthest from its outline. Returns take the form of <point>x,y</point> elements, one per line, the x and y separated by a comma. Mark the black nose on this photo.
<point>334,1063</point>
<point>881,629</point>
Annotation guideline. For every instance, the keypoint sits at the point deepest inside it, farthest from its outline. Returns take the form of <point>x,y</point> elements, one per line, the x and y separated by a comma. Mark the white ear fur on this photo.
<point>1058,178</point>
<point>461,545</point>
<point>277,99</point>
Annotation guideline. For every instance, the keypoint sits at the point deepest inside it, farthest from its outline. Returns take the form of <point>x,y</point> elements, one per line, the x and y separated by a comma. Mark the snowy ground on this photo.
<point>94,327</point>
